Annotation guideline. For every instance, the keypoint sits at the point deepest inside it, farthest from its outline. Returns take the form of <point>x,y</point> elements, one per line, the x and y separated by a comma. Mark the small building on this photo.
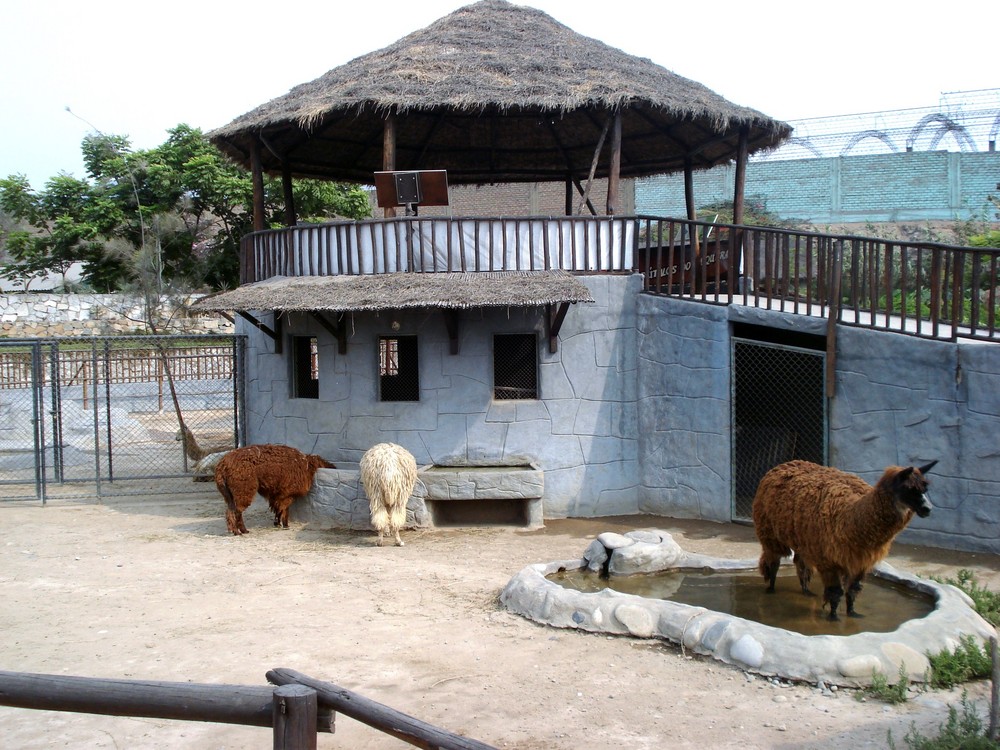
<point>537,367</point>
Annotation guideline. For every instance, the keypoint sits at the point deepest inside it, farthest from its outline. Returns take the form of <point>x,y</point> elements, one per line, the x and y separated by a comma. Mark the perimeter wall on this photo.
<point>907,186</point>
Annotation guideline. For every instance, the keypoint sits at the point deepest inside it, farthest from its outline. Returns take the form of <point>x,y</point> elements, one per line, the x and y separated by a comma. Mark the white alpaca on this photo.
<point>388,474</point>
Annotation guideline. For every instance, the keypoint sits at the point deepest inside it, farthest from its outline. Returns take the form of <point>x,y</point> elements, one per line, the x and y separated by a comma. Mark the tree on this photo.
<point>171,216</point>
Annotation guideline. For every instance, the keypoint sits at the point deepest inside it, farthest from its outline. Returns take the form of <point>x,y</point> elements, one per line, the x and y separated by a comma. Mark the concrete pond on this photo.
<point>846,660</point>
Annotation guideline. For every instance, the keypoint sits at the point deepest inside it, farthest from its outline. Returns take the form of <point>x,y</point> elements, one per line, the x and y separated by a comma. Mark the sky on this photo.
<point>72,68</point>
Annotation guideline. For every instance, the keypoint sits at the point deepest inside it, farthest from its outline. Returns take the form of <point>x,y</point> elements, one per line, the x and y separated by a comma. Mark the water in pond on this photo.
<point>884,605</point>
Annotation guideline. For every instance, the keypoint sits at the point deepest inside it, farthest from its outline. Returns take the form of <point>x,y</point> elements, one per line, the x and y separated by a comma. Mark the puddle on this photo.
<point>885,605</point>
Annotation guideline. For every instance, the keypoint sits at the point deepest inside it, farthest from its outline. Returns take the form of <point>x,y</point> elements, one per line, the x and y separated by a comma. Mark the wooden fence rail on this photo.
<point>296,709</point>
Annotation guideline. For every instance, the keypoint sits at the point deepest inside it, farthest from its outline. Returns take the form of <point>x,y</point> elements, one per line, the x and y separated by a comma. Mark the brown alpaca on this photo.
<point>280,474</point>
<point>836,523</point>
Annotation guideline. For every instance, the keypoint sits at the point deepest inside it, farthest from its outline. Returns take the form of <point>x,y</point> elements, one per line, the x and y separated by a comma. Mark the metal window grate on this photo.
<point>515,366</point>
<point>399,372</point>
<point>779,413</point>
<point>305,367</point>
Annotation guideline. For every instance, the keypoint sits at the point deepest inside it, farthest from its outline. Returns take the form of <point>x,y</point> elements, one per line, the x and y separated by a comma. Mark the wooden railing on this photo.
<point>296,710</point>
<point>592,244</point>
<point>918,288</point>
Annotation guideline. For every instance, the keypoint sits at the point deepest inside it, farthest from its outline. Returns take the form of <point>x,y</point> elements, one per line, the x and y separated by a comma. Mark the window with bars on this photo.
<point>399,378</point>
<point>515,366</point>
<point>305,367</point>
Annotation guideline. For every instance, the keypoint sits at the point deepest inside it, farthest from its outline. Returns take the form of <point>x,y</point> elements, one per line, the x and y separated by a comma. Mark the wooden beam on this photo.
<point>291,216</point>
<point>257,176</point>
<point>185,701</point>
<point>615,166</point>
<point>389,154</point>
<point>736,248</point>
<point>451,323</point>
<point>338,330</point>
<point>594,162</point>
<point>692,213</point>
<point>385,719</point>
<point>555,315</point>
<point>274,333</point>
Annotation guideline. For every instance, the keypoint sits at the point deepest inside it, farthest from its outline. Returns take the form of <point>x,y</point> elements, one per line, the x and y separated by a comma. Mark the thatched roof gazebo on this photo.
<point>495,93</point>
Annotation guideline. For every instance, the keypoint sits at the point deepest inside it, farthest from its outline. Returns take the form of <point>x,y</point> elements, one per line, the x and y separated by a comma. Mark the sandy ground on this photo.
<point>153,588</point>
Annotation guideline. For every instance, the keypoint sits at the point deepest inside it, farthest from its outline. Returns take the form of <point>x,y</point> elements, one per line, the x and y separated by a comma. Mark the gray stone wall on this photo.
<point>57,315</point>
<point>582,433</point>
<point>635,408</point>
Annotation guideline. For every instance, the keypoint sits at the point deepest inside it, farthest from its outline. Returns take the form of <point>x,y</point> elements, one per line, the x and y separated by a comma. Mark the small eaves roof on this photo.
<point>400,291</point>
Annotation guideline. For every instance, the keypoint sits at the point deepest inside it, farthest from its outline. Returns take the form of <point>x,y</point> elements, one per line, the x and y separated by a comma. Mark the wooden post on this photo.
<point>995,691</point>
<point>294,718</point>
<point>615,166</point>
<point>569,195</point>
<point>389,154</point>
<point>833,313</point>
<point>286,184</point>
<point>257,173</point>
<point>736,239</point>
<point>692,214</point>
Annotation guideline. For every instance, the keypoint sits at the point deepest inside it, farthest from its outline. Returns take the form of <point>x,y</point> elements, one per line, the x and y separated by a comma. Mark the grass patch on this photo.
<point>969,661</point>
<point>880,689</point>
<point>987,602</point>
<point>959,732</point>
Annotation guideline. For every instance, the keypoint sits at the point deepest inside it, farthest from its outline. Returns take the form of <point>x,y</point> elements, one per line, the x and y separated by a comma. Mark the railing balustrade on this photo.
<point>917,288</point>
<point>922,289</point>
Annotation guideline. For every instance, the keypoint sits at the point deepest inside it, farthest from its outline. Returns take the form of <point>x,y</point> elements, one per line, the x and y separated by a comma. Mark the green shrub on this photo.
<point>967,662</point>
<point>963,732</point>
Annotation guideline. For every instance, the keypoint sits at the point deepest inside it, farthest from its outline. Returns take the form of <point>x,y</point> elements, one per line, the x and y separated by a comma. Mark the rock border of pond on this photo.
<point>848,661</point>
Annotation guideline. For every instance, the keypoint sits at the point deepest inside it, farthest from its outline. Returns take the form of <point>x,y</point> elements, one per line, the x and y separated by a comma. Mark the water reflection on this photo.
<point>884,604</point>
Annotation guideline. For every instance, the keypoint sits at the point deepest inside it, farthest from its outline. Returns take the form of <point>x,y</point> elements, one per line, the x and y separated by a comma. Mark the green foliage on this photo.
<point>987,602</point>
<point>963,732</point>
<point>880,689</point>
<point>167,217</point>
<point>755,213</point>
<point>969,661</point>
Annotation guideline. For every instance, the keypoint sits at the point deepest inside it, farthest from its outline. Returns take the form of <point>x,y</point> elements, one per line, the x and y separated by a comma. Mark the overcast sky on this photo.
<point>137,69</point>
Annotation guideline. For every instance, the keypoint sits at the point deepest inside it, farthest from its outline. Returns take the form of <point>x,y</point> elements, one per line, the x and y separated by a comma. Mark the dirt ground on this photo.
<point>153,588</point>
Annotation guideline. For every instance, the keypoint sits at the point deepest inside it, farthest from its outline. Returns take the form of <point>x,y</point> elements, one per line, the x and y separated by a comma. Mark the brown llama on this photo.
<point>836,523</point>
<point>279,473</point>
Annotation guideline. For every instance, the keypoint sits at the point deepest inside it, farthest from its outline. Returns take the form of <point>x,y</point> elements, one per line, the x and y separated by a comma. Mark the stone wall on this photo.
<point>582,433</point>
<point>899,400</point>
<point>58,315</point>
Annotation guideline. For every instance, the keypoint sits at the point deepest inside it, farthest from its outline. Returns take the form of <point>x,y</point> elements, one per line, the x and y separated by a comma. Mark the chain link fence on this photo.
<point>101,416</point>
<point>778,413</point>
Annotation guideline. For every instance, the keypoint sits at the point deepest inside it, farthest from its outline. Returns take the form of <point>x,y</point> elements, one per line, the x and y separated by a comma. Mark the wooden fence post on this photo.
<point>294,718</point>
<point>995,689</point>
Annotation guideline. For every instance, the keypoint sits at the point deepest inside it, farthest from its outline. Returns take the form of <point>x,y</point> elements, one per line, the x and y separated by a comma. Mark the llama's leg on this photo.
<point>397,519</point>
<point>853,589</point>
<point>283,505</point>
<point>233,517</point>
<point>804,571</point>
<point>768,566</point>
<point>399,541</point>
<point>832,592</point>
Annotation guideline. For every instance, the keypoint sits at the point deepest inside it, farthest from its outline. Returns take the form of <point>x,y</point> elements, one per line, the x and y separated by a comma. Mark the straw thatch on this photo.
<point>399,291</point>
<point>496,92</point>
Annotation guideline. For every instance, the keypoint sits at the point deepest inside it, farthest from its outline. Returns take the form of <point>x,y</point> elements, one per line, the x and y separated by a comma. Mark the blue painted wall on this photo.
<point>914,186</point>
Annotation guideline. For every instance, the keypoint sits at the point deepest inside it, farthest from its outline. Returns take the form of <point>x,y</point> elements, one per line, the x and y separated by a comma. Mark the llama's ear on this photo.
<point>902,475</point>
<point>928,467</point>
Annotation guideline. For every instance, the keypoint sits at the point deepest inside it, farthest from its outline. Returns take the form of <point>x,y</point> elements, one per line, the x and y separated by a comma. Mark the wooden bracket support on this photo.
<point>555,317</point>
<point>451,323</point>
<point>274,333</point>
<point>338,330</point>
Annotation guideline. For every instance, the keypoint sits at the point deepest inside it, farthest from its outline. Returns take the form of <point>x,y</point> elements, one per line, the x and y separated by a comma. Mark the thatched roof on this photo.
<point>495,92</point>
<point>399,291</point>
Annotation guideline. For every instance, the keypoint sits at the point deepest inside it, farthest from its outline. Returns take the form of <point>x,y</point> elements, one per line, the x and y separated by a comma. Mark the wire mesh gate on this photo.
<point>99,416</point>
<point>779,413</point>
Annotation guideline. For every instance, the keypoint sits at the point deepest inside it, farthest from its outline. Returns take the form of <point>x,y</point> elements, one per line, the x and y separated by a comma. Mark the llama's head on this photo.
<point>318,462</point>
<point>909,488</point>
<point>183,433</point>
